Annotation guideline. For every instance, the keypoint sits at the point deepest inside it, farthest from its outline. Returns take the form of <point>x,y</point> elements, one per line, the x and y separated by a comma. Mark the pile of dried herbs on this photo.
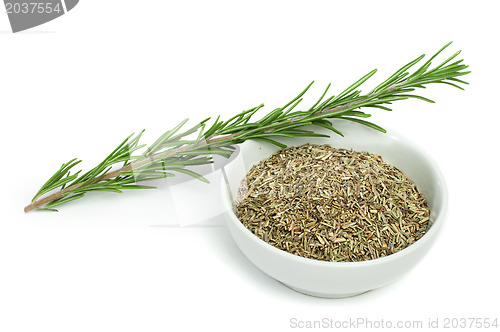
<point>331,204</point>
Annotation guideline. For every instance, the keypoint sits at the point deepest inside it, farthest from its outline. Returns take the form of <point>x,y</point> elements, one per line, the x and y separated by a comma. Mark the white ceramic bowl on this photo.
<point>339,279</point>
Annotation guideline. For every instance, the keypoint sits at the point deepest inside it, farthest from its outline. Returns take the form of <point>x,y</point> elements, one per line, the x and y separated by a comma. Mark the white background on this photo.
<point>76,86</point>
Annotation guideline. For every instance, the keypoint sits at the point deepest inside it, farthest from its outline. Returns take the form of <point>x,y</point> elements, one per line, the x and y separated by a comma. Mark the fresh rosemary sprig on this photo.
<point>177,150</point>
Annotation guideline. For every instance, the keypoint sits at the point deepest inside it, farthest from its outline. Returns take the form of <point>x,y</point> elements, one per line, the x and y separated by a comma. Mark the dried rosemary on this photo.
<point>331,204</point>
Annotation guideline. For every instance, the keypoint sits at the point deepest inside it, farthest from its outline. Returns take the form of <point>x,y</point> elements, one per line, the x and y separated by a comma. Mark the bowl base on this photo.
<point>324,295</point>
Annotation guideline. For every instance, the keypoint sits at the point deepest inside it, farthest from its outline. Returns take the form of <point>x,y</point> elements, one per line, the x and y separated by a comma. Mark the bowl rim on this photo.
<point>428,236</point>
